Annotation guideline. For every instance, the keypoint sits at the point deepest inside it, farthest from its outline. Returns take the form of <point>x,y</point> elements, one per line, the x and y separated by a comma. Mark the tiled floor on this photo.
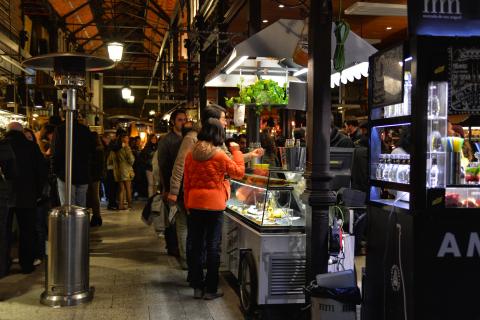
<point>133,279</point>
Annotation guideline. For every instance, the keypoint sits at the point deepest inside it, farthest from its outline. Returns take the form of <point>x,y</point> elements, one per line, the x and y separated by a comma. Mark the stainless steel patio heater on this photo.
<point>67,271</point>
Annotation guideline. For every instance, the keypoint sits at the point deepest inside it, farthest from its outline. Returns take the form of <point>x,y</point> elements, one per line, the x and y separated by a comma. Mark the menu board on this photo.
<point>387,77</point>
<point>464,80</point>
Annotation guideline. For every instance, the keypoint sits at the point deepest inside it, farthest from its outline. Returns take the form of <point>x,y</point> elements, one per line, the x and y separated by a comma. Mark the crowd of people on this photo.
<point>189,166</point>
<point>32,181</point>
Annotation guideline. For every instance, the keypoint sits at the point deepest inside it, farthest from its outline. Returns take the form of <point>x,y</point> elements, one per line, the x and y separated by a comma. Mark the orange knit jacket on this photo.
<point>204,183</point>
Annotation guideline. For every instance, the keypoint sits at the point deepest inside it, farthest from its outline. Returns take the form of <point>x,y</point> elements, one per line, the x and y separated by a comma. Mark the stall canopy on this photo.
<point>269,53</point>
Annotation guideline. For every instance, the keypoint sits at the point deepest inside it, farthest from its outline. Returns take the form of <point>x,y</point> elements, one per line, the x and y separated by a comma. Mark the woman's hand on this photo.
<point>171,198</point>
<point>234,146</point>
<point>257,153</point>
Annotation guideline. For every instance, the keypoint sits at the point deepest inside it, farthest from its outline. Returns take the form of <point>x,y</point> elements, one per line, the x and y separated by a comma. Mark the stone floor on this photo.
<point>133,279</point>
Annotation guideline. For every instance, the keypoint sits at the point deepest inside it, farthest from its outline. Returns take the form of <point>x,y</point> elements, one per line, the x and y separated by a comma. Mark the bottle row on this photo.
<point>394,168</point>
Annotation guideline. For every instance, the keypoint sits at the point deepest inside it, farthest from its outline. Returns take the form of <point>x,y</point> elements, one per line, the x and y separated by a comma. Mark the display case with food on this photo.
<point>270,200</point>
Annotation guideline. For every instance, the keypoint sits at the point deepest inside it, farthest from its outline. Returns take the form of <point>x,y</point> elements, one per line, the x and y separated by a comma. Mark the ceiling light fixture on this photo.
<point>126,92</point>
<point>115,51</point>
<point>131,99</point>
<point>152,112</point>
<point>281,6</point>
<point>389,28</point>
<point>236,64</point>
<point>265,21</point>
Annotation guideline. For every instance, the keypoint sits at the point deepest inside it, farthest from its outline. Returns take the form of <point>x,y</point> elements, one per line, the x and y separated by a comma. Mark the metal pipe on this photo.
<point>71,105</point>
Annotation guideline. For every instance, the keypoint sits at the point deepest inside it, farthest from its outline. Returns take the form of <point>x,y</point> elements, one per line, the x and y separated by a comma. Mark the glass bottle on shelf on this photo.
<point>392,175</point>
<point>387,168</point>
<point>402,168</point>
<point>433,175</point>
<point>407,89</point>
<point>407,172</point>
<point>433,102</point>
<point>380,167</point>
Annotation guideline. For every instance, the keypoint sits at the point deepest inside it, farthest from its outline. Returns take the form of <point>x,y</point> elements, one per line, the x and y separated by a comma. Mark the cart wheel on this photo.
<point>248,282</point>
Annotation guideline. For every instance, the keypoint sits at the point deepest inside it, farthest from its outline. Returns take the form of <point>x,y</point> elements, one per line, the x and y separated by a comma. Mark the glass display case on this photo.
<point>269,199</point>
<point>389,148</point>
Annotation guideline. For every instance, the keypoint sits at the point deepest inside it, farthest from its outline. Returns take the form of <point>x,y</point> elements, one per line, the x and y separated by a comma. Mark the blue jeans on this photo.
<point>205,232</point>
<point>79,194</point>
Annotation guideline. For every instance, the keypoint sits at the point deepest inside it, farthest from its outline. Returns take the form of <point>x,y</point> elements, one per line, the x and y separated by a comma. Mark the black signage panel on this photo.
<point>464,79</point>
<point>386,71</point>
<point>444,17</point>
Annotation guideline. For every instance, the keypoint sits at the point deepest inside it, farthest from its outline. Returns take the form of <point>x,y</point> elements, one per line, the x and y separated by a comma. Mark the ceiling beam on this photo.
<point>80,7</point>
<point>89,23</point>
<point>159,12</point>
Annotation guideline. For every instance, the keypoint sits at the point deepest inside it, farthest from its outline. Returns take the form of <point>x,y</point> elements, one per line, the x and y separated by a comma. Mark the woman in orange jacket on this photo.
<point>206,191</point>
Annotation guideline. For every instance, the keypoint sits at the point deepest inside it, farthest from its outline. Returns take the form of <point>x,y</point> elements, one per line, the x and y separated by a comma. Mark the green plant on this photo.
<point>263,93</point>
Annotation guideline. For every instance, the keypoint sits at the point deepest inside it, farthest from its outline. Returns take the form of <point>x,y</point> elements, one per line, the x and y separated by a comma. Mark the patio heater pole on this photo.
<point>71,105</point>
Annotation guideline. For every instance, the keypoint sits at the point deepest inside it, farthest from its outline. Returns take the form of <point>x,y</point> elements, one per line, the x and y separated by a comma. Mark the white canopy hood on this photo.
<point>268,54</point>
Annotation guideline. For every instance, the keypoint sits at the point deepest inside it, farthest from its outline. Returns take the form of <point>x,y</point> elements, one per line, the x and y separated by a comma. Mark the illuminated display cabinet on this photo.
<point>423,252</point>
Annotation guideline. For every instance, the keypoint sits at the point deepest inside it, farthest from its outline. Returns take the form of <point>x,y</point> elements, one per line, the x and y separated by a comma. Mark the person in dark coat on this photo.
<point>83,148</point>
<point>97,173</point>
<point>7,174</point>
<point>27,186</point>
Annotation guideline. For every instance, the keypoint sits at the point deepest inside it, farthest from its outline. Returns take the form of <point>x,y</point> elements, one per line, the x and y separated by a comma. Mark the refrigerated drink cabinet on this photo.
<point>423,253</point>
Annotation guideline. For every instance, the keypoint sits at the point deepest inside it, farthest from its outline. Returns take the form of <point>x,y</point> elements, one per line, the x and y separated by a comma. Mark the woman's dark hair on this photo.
<point>149,143</point>
<point>31,132</point>
<point>212,111</point>
<point>213,132</point>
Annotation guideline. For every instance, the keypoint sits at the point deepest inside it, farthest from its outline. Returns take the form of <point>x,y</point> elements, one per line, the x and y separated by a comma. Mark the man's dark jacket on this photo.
<point>31,170</point>
<point>339,140</point>
<point>83,149</point>
<point>167,153</point>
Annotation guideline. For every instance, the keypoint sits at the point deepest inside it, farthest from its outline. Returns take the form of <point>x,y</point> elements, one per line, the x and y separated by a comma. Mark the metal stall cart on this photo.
<point>265,238</point>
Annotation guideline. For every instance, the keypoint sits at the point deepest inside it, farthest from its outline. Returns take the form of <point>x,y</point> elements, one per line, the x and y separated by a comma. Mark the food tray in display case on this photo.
<point>269,202</point>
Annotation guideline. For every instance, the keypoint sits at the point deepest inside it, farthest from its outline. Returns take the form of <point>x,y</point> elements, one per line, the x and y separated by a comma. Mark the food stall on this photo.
<point>264,226</point>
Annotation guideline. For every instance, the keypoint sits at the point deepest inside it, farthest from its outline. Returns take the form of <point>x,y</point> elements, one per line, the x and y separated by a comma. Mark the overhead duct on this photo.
<point>270,48</point>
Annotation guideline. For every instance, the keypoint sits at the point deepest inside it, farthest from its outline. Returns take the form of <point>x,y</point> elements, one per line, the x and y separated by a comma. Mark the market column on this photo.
<point>318,195</point>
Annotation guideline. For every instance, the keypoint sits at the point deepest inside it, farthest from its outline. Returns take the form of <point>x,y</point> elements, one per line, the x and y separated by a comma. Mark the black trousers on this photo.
<point>26,218</point>
<point>4,242</point>
<point>111,189</point>
<point>205,232</point>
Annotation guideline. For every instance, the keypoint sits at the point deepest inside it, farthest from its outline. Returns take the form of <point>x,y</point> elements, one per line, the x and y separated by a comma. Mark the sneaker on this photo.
<point>211,296</point>
<point>37,262</point>
<point>197,293</point>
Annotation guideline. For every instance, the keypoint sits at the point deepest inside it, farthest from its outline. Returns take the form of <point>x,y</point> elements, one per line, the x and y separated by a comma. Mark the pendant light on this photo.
<point>126,92</point>
<point>115,51</point>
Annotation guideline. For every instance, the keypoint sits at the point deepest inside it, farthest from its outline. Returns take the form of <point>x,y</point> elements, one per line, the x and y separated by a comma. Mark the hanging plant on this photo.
<point>263,93</point>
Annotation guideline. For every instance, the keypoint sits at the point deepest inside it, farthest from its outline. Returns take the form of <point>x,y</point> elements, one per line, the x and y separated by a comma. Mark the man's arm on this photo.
<point>178,168</point>
<point>162,162</point>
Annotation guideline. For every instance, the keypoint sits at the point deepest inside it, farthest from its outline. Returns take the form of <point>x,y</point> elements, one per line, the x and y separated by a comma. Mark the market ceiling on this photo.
<point>139,24</point>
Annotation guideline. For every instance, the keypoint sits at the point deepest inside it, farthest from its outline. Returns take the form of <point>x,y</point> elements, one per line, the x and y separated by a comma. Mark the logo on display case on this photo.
<point>395,278</point>
<point>442,9</point>
<point>450,248</point>
<point>444,17</point>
